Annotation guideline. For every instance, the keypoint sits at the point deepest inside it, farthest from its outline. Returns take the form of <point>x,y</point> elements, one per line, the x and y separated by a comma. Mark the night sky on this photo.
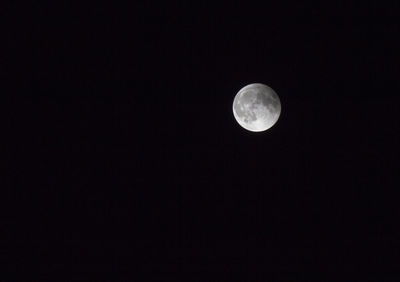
<point>129,160</point>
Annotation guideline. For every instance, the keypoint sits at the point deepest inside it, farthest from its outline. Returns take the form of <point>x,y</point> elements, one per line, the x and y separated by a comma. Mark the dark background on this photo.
<point>127,157</point>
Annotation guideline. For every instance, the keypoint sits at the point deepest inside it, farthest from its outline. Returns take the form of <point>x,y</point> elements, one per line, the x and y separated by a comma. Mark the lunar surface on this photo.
<point>256,107</point>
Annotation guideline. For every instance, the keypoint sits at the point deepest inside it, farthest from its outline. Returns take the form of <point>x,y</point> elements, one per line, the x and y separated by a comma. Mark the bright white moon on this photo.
<point>256,107</point>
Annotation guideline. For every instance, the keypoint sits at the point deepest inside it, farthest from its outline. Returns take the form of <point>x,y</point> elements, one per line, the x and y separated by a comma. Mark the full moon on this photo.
<point>256,107</point>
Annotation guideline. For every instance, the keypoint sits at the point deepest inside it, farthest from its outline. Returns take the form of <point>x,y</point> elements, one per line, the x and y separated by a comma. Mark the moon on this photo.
<point>256,107</point>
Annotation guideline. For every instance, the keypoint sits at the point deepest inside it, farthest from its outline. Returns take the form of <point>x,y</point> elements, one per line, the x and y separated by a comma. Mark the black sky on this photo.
<point>129,158</point>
